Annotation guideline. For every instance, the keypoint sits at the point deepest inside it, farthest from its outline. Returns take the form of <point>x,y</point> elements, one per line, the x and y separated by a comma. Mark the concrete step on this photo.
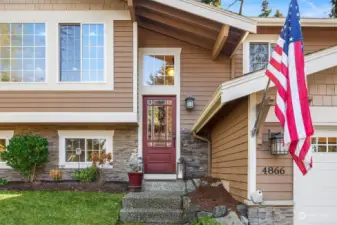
<point>152,215</point>
<point>164,200</point>
<point>170,186</point>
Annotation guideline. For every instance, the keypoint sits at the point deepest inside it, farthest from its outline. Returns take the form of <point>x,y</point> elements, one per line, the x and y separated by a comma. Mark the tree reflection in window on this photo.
<point>259,56</point>
<point>158,70</point>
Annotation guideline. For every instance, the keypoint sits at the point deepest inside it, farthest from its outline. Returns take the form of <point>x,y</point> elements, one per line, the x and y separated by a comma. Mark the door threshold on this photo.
<point>160,176</point>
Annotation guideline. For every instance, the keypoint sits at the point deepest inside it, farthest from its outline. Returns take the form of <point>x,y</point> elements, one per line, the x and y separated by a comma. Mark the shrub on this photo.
<point>25,153</point>
<point>56,174</point>
<point>3,182</point>
<point>86,175</point>
<point>205,221</point>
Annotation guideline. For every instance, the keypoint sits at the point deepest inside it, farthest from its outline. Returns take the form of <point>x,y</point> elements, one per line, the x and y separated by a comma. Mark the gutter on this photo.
<point>208,151</point>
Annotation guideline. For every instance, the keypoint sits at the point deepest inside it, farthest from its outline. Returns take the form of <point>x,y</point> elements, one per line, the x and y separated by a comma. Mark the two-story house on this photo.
<point>113,75</point>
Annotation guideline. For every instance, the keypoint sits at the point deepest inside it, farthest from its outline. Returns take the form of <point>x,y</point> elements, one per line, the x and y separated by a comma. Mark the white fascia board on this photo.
<point>68,117</point>
<point>257,81</point>
<point>212,13</point>
<point>305,22</point>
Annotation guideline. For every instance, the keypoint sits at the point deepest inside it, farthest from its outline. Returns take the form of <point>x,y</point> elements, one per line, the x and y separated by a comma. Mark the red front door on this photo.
<point>159,134</point>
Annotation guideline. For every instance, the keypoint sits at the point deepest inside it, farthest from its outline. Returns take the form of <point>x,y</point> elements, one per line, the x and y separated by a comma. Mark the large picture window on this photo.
<point>82,53</point>
<point>22,52</point>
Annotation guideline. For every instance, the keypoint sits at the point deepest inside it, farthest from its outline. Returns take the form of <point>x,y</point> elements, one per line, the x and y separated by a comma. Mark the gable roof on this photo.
<point>257,81</point>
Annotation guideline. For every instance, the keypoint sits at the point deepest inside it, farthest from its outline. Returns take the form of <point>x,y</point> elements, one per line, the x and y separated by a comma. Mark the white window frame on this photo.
<point>7,135</point>
<point>90,134</point>
<point>52,19</point>
<point>255,38</point>
<point>105,55</point>
<point>324,132</point>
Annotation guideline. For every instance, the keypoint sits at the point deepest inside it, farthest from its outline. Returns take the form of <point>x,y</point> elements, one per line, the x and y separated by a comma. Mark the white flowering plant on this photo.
<point>136,163</point>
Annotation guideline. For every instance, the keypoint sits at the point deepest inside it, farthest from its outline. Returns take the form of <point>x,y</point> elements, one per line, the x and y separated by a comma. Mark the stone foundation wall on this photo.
<point>195,152</point>
<point>125,142</point>
<point>271,215</point>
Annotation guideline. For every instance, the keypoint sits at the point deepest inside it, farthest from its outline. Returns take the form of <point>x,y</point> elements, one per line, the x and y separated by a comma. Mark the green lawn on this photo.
<point>59,208</point>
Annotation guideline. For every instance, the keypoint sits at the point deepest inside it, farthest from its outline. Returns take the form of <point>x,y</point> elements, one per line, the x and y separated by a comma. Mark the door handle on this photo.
<point>174,140</point>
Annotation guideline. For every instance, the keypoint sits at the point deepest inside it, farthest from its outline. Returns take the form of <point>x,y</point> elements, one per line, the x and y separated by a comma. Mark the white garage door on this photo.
<point>315,194</point>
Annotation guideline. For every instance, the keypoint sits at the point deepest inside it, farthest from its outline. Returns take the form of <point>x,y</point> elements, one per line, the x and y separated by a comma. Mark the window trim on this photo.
<point>7,135</point>
<point>52,19</point>
<point>324,133</point>
<point>100,134</point>
<point>255,38</point>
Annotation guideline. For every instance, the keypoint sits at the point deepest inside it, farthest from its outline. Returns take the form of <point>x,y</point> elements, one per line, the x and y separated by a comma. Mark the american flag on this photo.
<point>286,71</point>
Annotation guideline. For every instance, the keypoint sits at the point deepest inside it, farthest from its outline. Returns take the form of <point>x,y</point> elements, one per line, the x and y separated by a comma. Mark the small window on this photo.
<point>87,147</point>
<point>259,55</point>
<point>78,146</point>
<point>158,70</point>
<point>82,53</point>
<point>3,143</point>
<point>324,144</point>
<point>22,52</point>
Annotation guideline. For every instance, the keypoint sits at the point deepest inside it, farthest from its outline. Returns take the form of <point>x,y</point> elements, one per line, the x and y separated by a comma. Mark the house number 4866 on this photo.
<point>274,170</point>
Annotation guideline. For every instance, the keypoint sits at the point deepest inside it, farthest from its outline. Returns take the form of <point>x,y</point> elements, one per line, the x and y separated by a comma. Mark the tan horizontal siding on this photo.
<point>200,76</point>
<point>314,38</point>
<point>118,100</point>
<point>229,152</point>
<point>274,187</point>
<point>62,5</point>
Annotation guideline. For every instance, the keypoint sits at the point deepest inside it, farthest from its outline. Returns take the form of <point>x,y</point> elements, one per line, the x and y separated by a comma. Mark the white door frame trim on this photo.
<point>157,91</point>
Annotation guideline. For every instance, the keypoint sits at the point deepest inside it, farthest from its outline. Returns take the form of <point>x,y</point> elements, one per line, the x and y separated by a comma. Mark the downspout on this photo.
<point>208,150</point>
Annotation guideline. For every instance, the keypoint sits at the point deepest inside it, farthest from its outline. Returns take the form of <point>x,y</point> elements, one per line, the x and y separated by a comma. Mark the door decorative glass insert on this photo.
<point>158,70</point>
<point>159,126</point>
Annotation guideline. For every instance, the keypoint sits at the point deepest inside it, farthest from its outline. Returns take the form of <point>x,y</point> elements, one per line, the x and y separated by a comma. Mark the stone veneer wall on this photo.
<point>125,142</point>
<point>270,215</point>
<point>195,152</point>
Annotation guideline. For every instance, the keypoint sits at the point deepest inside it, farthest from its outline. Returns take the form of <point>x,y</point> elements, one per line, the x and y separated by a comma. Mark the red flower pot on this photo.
<point>135,181</point>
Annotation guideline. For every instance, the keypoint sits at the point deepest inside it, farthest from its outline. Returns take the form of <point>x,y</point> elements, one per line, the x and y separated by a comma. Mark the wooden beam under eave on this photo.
<point>220,41</point>
<point>132,10</point>
<point>171,32</point>
<point>171,21</point>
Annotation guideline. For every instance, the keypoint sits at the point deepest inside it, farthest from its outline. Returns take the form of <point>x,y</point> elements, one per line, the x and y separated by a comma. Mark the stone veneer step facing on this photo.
<point>159,203</point>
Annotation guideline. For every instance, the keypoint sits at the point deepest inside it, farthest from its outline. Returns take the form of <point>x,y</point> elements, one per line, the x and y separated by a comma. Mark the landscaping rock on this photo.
<point>190,186</point>
<point>232,219</point>
<point>216,184</point>
<point>204,214</point>
<point>197,182</point>
<point>186,202</point>
<point>204,183</point>
<point>219,211</point>
<point>244,220</point>
<point>243,210</point>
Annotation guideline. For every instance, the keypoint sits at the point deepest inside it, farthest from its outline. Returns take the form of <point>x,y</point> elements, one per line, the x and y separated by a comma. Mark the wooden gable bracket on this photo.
<point>220,41</point>
<point>270,101</point>
<point>132,10</point>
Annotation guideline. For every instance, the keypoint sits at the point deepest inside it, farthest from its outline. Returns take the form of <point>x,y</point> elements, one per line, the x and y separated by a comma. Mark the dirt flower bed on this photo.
<point>211,193</point>
<point>109,187</point>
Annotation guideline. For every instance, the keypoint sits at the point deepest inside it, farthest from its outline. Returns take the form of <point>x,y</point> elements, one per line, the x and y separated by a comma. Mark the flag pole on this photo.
<point>254,131</point>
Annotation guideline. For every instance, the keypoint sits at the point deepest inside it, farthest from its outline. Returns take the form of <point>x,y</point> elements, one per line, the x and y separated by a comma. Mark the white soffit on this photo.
<point>305,22</point>
<point>257,81</point>
<point>212,13</point>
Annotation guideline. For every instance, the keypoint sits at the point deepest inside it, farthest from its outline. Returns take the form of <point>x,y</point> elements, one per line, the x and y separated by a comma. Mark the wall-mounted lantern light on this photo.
<point>189,102</point>
<point>276,144</point>
<point>181,169</point>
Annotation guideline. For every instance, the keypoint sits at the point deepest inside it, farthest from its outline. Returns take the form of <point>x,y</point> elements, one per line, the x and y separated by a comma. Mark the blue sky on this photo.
<point>308,8</point>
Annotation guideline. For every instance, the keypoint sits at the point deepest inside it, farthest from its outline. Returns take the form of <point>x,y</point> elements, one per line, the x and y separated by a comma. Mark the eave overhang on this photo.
<point>215,29</point>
